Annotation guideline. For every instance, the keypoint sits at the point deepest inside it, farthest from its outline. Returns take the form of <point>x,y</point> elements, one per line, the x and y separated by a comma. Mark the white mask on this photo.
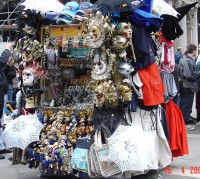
<point>27,77</point>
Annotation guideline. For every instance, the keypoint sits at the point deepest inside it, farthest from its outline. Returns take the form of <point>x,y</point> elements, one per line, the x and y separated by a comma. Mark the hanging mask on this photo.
<point>125,29</point>
<point>119,42</point>
<point>125,92</point>
<point>28,78</point>
<point>101,69</point>
<point>125,69</point>
<point>105,94</point>
<point>99,98</point>
<point>96,28</point>
<point>27,55</point>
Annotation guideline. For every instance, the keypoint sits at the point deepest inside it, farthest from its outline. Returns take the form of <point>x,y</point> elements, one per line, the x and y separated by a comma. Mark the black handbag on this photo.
<point>3,80</point>
<point>109,117</point>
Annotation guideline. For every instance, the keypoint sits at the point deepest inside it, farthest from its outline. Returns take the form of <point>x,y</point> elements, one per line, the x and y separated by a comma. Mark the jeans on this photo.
<point>10,95</point>
<point>2,94</point>
<point>187,98</point>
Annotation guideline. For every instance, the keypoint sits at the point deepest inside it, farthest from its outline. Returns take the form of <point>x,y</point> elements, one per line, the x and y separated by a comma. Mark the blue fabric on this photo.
<point>10,94</point>
<point>178,56</point>
<point>149,6</point>
<point>198,66</point>
<point>51,17</point>
<point>134,102</point>
<point>83,175</point>
<point>146,20</point>
<point>144,48</point>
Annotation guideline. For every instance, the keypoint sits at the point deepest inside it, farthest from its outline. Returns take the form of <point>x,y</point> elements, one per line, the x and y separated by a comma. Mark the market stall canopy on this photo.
<point>183,10</point>
<point>43,6</point>
<point>161,7</point>
<point>22,131</point>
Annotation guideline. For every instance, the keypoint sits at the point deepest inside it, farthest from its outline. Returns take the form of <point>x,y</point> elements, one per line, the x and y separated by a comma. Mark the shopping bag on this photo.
<point>107,167</point>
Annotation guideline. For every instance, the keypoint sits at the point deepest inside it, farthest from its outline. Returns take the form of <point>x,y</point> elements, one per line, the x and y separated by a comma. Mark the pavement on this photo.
<point>190,163</point>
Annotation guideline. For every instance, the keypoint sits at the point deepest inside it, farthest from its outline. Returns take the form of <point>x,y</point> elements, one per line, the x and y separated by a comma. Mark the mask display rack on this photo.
<point>86,72</point>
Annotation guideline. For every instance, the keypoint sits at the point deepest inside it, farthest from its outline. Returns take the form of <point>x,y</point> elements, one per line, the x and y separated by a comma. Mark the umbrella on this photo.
<point>161,7</point>
<point>43,6</point>
<point>22,131</point>
<point>183,10</point>
<point>117,5</point>
<point>127,148</point>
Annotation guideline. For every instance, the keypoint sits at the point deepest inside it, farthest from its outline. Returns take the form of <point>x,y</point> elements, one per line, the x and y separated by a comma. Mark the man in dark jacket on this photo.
<point>11,75</point>
<point>178,55</point>
<point>4,68</point>
<point>12,71</point>
<point>190,84</point>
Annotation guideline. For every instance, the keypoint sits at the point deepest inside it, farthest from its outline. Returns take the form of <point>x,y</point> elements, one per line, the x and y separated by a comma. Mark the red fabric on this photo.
<point>153,88</point>
<point>178,138</point>
<point>167,42</point>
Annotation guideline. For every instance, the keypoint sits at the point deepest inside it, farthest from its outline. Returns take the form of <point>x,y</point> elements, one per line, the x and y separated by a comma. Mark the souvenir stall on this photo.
<point>97,78</point>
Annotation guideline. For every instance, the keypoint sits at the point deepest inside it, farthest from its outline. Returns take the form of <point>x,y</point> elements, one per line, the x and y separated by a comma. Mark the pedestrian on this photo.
<point>189,83</point>
<point>12,71</point>
<point>178,55</point>
<point>175,73</point>
<point>4,69</point>
<point>198,92</point>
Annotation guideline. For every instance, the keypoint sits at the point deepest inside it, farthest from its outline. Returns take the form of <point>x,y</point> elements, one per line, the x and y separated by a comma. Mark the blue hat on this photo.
<point>51,17</point>
<point>66,16</point>
<point>84,6</point>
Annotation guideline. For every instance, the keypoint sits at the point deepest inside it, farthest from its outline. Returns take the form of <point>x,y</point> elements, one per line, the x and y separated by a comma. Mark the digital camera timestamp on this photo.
<point>194,170</point>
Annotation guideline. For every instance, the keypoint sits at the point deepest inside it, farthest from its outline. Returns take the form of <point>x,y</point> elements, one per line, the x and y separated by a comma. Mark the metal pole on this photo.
<point>11,14</point>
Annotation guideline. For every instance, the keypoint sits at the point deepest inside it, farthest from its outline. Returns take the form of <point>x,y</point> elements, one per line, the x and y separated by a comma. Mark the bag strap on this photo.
<point>98,139</point>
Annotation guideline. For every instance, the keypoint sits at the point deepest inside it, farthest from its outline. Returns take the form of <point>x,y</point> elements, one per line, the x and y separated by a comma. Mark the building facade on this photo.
<point>189,24</point>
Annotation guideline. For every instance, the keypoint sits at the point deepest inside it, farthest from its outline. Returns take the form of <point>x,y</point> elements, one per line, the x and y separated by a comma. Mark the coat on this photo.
<point>188,74</point>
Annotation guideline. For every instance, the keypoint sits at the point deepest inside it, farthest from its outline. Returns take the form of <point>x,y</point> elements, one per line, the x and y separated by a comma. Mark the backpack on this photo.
<point>181,74</point>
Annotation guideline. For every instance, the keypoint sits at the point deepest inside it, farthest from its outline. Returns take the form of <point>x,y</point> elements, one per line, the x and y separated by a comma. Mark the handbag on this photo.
<point>109,117</point>
<point>3,80</point>
<point>93,166</point>
<point>79,159</point>
<point>107,167</point>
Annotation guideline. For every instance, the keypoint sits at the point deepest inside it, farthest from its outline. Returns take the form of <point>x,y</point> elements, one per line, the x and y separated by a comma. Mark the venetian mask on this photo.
<point>125,29</point>
<point>99,98</point>
<point>101,70</point>
<point>125,92</point>
<point>119,42</point>
<point>28,78</point>
<point>96,29</point>
<point>105,94</point>
<point>27,55</point>
<point>125,69</point>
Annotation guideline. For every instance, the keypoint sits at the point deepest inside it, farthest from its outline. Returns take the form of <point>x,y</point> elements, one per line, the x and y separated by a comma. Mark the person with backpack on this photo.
<point>189,83</point>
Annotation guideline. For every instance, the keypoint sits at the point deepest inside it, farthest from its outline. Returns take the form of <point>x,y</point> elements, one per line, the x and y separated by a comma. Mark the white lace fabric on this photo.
<point>141,146</point>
